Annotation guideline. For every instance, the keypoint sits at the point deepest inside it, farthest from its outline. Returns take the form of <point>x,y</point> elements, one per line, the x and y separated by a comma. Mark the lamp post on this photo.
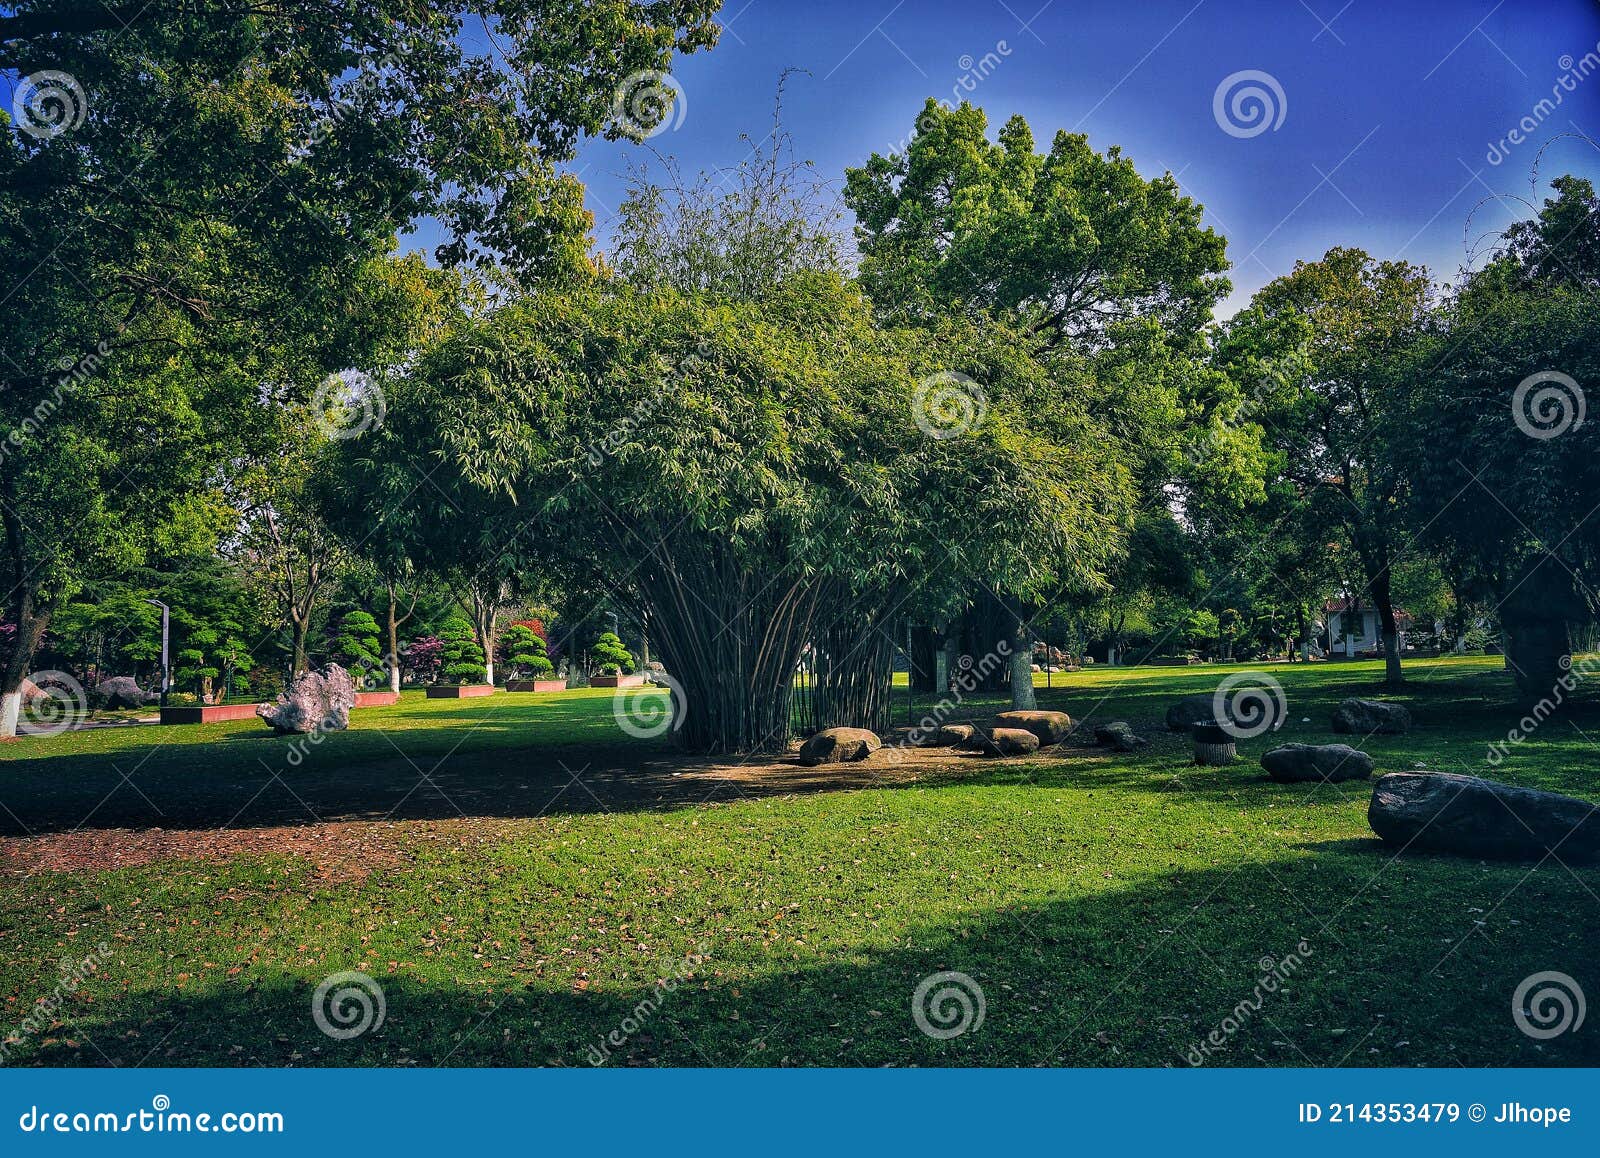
<point>166,670</point>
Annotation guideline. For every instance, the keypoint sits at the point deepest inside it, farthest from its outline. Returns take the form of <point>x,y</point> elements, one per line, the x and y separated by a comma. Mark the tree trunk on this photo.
<point>854,680</point>
<point>1022,697</point>
<point>31,623</point>
<point>1383,600</point>
<point>483,608</point>
<point>485,629</point>
<point>299,662</point>
<point>1539,653</point>
<point>732,638</point>
<point>392,628</point>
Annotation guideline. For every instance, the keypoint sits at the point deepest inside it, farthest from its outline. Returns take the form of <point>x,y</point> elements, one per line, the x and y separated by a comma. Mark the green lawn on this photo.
<point>517,873</point>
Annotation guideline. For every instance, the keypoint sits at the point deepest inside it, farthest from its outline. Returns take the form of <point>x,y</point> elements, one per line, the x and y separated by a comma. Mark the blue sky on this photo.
<point>1389,109</point>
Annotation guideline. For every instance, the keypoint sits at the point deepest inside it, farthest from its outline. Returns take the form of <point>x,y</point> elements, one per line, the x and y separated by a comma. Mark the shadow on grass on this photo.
<point>1390,967</point>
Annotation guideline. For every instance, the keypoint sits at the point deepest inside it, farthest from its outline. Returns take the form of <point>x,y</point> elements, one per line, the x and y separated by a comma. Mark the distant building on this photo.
<point>1365,630</point>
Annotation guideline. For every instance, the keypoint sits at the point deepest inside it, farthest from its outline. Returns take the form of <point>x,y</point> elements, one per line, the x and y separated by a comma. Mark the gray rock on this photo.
<point>317,701</point>
<point>1299,763</point>
<point>947,736</point>
<point>1050,727</point>
<point>1189,711</point>
<point>122,692</point>
<point>1366,717</point>
<point>1007,742</point>
<point>1119,735</point>
<point>1447,812</point>
<point>839,746</point>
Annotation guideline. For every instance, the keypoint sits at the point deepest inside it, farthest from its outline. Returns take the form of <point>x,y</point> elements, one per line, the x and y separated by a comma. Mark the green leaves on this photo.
<point>1066,245</point>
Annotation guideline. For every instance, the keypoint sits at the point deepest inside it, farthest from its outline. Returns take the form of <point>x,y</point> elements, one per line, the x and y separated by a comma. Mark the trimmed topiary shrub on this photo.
<point>525,652</point>
<point>355,644</point>
<point>610,655</point>
<point>461,658</point>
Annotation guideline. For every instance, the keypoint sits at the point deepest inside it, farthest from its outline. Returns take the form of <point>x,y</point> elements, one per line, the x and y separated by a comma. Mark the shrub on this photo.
<point>355,644</point>
<point>461,657</point>
<point>525,651</point>
<point>613,658</point>
<point>422,656</point>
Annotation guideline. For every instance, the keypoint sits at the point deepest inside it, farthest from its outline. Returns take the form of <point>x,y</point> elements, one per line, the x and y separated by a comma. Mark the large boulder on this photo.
<point>947,736</point>
<point>1007,742</point>
<point>122,692</point>
<point>1119,736</point>
<point>1448,812</point>
<point>839,746</point>
<point>317,701</point>
<point>1191,710</point>
<point>1300,763</point>
<point>1366,717</point>
<point>1050,727</point>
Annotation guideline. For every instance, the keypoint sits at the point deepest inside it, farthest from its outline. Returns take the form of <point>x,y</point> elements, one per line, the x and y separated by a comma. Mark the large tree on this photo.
<point>1335,415</point>
<point>1073,244</point>
<point>1104,275</point>
<point>753,476</point>
<point>190,189</point>
<point>1505,457</point>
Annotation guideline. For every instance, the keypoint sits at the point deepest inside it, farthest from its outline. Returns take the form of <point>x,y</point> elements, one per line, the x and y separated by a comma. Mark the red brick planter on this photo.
<point>536,685</point>
<point>459,691</point>
<point>376,699</point>
<point>617,681</point>
<point>206,713</point>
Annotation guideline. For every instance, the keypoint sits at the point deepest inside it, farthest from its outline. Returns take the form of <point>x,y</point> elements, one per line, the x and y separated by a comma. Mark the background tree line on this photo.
<point>1002,407</point>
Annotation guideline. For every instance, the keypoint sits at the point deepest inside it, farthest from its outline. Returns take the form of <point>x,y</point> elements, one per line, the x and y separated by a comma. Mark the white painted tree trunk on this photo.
<point>1022,698</point>
<point>950,654</point>
<point>10,712</point>
<point>488,670</point>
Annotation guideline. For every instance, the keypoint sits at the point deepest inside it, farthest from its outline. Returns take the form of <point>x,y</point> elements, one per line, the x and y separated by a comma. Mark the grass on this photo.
<point>517,874</point>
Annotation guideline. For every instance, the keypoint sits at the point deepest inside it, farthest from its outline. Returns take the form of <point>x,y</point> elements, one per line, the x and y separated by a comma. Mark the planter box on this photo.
<point>206,713</point>
<point>376,699</point>
<point>459,691</point>
<point>617,681</point>
<point>536,685</point>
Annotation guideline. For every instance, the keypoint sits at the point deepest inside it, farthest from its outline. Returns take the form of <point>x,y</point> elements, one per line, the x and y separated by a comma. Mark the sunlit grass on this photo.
<point>1113,909</point>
